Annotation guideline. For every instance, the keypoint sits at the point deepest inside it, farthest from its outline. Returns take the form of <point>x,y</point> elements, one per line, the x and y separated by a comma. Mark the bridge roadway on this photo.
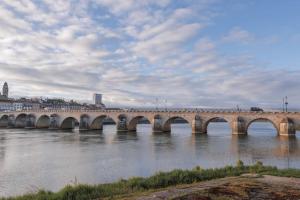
<point>286,123</point>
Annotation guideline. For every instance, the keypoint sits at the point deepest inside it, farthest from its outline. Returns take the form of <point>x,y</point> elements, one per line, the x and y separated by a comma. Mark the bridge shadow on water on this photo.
<point>162,139</point>
<point>262,139</point>
<point>124,136</point>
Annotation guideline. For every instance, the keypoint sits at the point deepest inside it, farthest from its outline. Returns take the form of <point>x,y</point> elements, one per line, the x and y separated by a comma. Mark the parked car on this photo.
<point>256,109</point>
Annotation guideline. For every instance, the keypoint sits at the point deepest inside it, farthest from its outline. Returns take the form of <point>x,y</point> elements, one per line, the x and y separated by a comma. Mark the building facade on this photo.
<point>97,99</point>
<point>25,104</point>
<point>61,104</point>
<point>97,102</point>
<point>6,105</point>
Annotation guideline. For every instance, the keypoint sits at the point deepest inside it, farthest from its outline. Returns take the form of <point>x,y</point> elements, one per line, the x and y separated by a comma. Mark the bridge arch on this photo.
<point>97,123</point>
<point>171,120</point>
<point>43,122</point>
<point>270,121</point>
<point>215,119</point>
<point>132,125</point>
<point>69,123</point>
<point>20,121</point>
<point>4,121</point>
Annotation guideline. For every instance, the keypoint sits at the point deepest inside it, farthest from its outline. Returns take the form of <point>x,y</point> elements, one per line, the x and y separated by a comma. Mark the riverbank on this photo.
<point>136,187</point>
<point>244,187</point>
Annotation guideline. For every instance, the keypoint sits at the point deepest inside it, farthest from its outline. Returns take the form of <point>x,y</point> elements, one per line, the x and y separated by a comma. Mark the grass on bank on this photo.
<point>159,180</point>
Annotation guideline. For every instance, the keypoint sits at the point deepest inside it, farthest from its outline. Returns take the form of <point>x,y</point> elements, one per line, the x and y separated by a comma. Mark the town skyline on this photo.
<point>186,53</point>
<point>97,100</point>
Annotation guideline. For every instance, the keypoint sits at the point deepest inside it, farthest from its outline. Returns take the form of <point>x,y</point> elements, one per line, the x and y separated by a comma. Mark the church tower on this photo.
<point>5,90</point>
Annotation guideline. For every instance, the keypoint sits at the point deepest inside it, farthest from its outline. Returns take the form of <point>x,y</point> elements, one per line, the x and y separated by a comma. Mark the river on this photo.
<point>34,159</point>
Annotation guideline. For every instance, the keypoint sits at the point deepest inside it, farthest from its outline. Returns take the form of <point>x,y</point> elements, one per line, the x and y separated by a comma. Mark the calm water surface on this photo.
<point>32,159</point>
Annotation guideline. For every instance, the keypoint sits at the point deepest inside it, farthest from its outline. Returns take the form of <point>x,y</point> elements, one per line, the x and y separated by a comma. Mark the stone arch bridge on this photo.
<point>286,123</point>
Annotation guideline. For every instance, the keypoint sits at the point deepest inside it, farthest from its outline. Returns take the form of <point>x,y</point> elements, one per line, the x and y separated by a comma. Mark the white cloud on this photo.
<point>165,43</point>
<point>119,6</point>
<point>238,35</point>
<point>7,19</point>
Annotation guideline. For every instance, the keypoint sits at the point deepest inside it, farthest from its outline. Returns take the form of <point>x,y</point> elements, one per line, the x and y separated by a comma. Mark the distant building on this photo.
<point>10,104</point>
<point>98,102</point>
<point>61,104</point>
<point>6,104</point>
<point>26,104</point>
<point>97,99</point>
<point>4,95</point>
<point>18,104</point>
<point>5,90</point>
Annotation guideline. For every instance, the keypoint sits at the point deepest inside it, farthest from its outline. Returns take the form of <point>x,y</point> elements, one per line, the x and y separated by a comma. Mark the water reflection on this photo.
<point>51,159</point>
<point>2,149</point>
<point>287,147</point>
<point>124,136</point>
<point>161,140</point>
<point>91,137</point>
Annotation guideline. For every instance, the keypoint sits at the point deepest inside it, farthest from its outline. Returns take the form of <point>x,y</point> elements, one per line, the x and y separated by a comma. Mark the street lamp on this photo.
<point>286,103</point>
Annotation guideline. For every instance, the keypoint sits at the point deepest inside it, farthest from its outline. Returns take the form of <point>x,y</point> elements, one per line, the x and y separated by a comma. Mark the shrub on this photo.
<point>198,168</point>
<point>240,164</point>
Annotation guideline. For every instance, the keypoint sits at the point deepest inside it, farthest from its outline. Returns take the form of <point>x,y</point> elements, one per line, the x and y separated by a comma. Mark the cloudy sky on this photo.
<point>181,53</point>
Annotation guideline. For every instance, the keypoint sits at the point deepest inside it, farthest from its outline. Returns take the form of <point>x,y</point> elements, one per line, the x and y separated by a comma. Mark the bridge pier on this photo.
<point>122,126</point>
<point>54,122</point>
<point>157,126</point>
<point>122,123</point>
<point>287,128</point>
<point>30,121</point>
<point>84,123</point>
<point>238,127</point>
<point>4,122</point>
<point>11,121</point>
<point>197,127</point>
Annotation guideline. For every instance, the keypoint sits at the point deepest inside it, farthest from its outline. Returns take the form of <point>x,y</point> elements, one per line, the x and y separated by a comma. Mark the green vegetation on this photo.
<point>159,180</point>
